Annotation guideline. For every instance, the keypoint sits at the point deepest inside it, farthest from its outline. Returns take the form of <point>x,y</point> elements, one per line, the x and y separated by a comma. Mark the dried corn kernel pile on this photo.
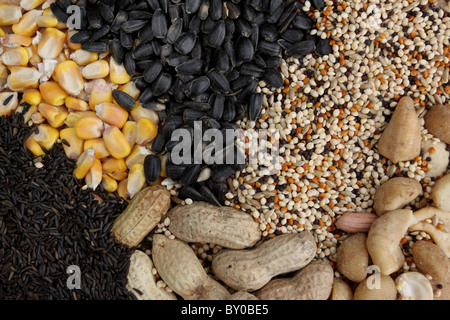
<point>84,100</point>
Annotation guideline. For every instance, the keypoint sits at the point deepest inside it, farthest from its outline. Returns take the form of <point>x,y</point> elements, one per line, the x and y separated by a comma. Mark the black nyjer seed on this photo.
<point>50,225</point>
<point>201,61</point>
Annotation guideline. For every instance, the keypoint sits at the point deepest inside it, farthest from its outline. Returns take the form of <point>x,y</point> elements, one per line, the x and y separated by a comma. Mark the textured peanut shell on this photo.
<point>383,239</point>
<point>341,290</point>
<point>313,282</point>
<point>401,138</point>
<point>142,214</point>
<point>430,259</point>
<point>386,291</point>
<point>437,120</point>
<point>181,270</point>
<point>353,258</point>
<point>441,192</point>
<point>243,295</point>
<point>205,223</point>
<point>251,269</point>
<point>140,276</point>
<point>395,194</point>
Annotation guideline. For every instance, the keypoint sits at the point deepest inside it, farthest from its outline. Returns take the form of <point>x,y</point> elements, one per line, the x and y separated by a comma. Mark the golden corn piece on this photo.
<point>146,131</point>
<point>76,104</point>
<point>137,155</point>
<point>73,117</point>
<point>46,21</point>
<point>89,127</point>
<point>140,112</point>
<point>101,92</point>
<point>113,165</point>
<point>116,143</point>
<point>117,72</point>
<point>72,144</point>
<point>46,136</point>
<point>31,4</point>
<point>9,102</point>
<point>2,33</point>
<point>122,189</point>
<point>112,114</point>
<point>131,89</point>
<point>27,115</point>
<point>37,118</point>
<point>51,44</point>
<point>27,25</point>
<point>52,93</point>
<point>32,96</point>
<point>136,179</point>
<point>69,77</point>
<point>16,57</point>
<point>3,75</point>
<point>12,40</point>
<point>22,78</point>
<point>95,175</point>
<point>129,131</point>
<point>84,164</point>
<point>99,146</point>
<point>48,12</point>
<point>55,115</point>
<point>9,14</point>
<point>34,147</point>
<point>96,70</point>
<point>84,58</point>
<point>109,184</point>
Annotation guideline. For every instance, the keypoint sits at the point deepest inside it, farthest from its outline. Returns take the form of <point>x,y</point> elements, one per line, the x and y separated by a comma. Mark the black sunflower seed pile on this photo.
<point>198,61</point>
<point>48,224</point>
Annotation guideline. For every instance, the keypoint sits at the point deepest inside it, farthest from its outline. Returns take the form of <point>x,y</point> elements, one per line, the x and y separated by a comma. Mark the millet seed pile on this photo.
<point>330,116</point>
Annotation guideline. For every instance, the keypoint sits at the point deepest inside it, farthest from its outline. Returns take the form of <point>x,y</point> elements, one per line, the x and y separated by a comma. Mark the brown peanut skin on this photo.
<point>142,214</point>
<point>313,282</point>
<point>182,271</point>
<point>251,269</point>
<point>205,223</point>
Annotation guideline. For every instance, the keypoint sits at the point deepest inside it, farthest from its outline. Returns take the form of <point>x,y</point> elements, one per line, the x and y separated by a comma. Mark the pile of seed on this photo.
<point>49,222</point>
<point>332,110</point>
<point>199,61</point>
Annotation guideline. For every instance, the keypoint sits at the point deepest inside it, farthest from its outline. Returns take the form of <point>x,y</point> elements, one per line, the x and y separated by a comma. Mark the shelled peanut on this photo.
<point>78,98</point>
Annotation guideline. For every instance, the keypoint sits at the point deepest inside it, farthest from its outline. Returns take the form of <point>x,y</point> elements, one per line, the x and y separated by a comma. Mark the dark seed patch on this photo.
<point>48,223</point>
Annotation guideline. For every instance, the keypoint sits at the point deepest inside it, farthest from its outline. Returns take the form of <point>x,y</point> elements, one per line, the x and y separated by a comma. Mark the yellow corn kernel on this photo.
<point>146,131</point>
<point>68,75</point>
<point>131,89</point>
<point>101,92</point>
<point>122,189</point>
<point>73,117</point>
<point>96,70</point>
<point>109,184</point>
<point>129,131</point>
<point>84,164</point>
<point>136,179</point>
<point>31,4</point>
<point>137,155</point>
<point>113,165</point>
<point>84,58</point>
<point>117,72</point>
<point>46,136</point>
<point>9,14</point>
<point>52,93</point>
<point>9,102</point>
<point>34,147</point>
<point>27,115</point>
<point>27,25</point>
<point>51,44</point>
<point>2,33</point>
<point>116,143</point>
<point>47,21</point>
<point>95,175</point>
<point>32,96</point>
<point>55,115</point>
<point>3,75</point>
<point>37,118</point>
<point>22,78</point>
<point>76,104</point>
<point>140,112</point>
<point>12,40</point>
<point>89,127</point>
<point>16,57</point>
<point>72,144</point>
<point>71,45</point>
<point>112,114</point>
<point>119,176</point>
<point>99,146</point>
